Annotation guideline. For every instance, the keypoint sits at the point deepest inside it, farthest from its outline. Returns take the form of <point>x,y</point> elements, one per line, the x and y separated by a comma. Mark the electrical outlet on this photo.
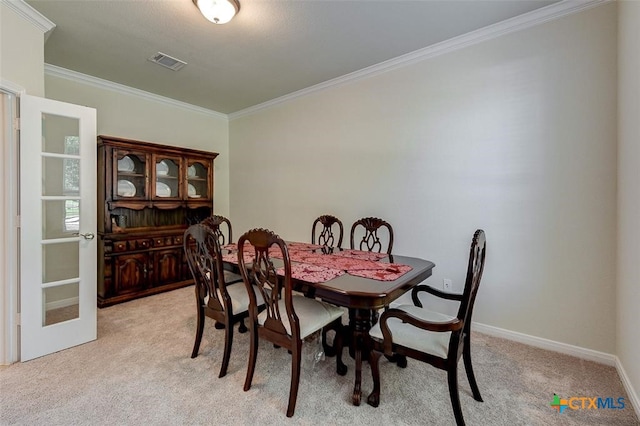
<point>446,284</point>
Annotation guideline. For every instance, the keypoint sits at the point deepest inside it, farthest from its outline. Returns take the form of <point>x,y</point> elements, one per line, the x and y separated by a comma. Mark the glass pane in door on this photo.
<point>60,134</point>
<point>167,178</point>
<point>60,303</point>
<point>131,179</point>
<point>60,261</point>
<point>197,180</point>
<point>60,176</point>
<point>60,218</point>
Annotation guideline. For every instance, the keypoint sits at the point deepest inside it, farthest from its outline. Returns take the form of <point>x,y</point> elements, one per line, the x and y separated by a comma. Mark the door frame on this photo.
<point>9,225</point>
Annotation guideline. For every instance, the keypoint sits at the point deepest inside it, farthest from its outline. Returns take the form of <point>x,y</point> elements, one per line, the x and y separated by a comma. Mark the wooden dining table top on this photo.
<point>357,292</point>
<point>366,293</point>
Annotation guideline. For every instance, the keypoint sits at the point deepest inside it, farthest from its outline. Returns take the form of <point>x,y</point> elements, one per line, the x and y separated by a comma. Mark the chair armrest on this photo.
<point>452,325</point>
<point>441,294</point>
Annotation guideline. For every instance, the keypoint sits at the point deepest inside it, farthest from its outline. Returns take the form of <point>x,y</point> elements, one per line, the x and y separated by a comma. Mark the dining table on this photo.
<point>363,282</point>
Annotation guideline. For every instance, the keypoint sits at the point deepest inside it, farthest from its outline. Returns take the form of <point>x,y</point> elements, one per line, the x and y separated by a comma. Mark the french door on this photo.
<point>57,226</point>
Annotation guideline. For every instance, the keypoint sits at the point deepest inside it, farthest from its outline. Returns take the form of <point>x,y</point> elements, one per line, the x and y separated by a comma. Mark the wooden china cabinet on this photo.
<point>148,194</point>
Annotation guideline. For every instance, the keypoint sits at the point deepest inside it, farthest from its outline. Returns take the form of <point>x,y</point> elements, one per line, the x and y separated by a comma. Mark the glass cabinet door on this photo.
<point>166,177</point>
<point>130,175</point>
<point>198,179</point>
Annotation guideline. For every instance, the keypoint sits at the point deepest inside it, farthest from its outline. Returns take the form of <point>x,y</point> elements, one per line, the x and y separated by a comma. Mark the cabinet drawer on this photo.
<point>139,244</point>
<point>163,241</point>
<point>119,246</point>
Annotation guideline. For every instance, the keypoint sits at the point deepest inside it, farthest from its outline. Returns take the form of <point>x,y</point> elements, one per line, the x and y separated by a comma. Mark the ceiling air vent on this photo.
<point>167,61</point>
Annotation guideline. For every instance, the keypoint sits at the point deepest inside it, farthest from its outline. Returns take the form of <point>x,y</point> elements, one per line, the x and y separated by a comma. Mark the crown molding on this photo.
<point>31,15</point>
<point>55,71</point>
<point>518,23</point>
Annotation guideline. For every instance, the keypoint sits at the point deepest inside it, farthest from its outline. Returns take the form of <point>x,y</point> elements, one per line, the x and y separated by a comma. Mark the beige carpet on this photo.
<point>139,372</point>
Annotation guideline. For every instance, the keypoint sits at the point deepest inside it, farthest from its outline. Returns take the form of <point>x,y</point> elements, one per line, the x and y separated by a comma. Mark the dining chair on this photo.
<point>430,336</point>
<point>226,304</point>
<point>218,224</point>
<point>288,318</point>
<point>365,230</point>
<point>328,228</point>
<point>370,240</point>
<point>324,226</point>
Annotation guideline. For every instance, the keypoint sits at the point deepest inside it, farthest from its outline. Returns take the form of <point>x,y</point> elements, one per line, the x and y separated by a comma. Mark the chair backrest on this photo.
<point>326,236</point>
<point>217,223</point>
<point>474,275</point>
<point>370,240</point>
<point>202,250</point>
<point>265,246</point>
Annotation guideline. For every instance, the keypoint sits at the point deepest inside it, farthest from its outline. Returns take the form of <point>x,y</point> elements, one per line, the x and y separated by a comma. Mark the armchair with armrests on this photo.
<point>432,337</point>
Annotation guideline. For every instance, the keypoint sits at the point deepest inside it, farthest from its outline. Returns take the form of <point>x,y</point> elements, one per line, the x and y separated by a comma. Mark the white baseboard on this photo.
<point>633,396</point>
<point>62,303</point>
<point>539,342</point>
<point>551,345</point>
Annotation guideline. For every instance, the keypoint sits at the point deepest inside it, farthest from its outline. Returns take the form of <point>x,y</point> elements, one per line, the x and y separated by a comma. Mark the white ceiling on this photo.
<point>270,49</point>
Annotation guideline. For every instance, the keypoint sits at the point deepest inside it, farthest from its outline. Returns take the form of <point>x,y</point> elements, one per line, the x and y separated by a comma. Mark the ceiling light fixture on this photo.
<point>218,11</point>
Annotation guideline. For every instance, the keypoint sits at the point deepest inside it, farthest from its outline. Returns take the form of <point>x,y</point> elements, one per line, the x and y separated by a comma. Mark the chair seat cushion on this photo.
<point>313,314</point>
<point>231,278</point>
<point>407,335</point>
<point>240,297</point>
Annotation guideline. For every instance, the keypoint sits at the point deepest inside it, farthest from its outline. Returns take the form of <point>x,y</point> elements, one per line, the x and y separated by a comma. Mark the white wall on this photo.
<point>21,52</point>
<point>628,343</point>
<point>134,117</point>
<point>516,135</point>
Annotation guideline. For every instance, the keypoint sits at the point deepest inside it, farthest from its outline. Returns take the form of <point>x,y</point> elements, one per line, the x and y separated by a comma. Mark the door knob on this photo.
<point>87,236</point>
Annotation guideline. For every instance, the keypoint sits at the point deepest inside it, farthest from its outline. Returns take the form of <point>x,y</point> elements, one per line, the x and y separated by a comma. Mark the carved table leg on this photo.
<point>357,392</point>
<point>360,322</point>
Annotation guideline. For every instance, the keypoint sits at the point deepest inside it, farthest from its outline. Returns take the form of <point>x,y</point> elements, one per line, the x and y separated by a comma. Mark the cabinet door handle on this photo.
<point>87,236</point>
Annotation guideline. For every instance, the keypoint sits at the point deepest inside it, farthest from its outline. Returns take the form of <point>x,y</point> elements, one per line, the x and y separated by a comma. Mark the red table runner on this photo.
<point>363,255</point>
<point>316,267</point>
<point>311,273</point>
